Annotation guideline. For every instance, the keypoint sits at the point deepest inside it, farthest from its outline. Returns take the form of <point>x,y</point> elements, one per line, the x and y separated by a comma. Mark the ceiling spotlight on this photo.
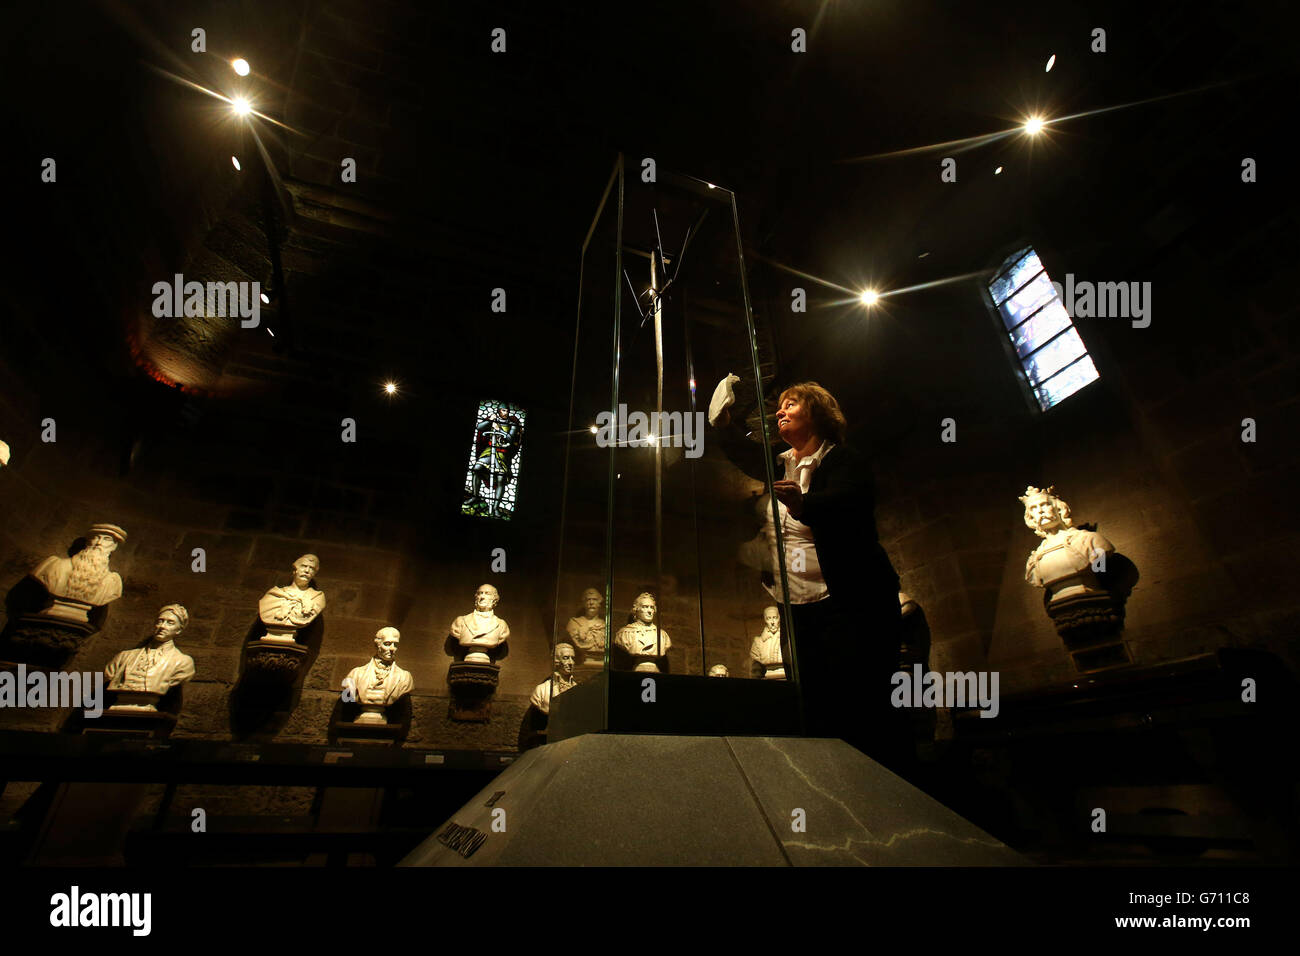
<point>235,160</point>
<point>1051,62</point>
<point>241,106</point>
<point>998,171</point>
<point>711,186</point>
<point>1033,126</point>
<point>869,297</point>
<point>390,388</point>
<point>240,66</point>
<point>266,299</point>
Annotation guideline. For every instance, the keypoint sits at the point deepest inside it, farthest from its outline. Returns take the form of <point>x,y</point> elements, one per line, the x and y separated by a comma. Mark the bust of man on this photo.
<point>587,632</point>
<point>379,682</point>
<point>143,674</point>
<point>84,580</point>
<point>561,679</point>
<point>765,651</point>
<point>645,643</point>
<point>719,670</point>
<point>1063,562</point>
<point>287,610</point>
<point>481,635</point>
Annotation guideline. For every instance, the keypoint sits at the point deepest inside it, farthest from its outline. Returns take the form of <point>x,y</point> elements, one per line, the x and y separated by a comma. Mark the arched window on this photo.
<point>492,477</point>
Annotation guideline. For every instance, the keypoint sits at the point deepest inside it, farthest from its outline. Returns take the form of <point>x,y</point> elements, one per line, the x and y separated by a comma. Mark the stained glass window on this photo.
<point>492,478</point>
<point>1051,353</point>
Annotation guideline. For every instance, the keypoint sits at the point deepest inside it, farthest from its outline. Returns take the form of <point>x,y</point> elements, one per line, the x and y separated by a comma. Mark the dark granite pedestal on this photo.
<point>352,732</point>
<point>622,702</point>
<point>152,724</point>
<point>642,800</point>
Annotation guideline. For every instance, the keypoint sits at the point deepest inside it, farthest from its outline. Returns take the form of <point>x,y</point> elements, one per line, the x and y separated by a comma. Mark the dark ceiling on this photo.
<point>478,170</point>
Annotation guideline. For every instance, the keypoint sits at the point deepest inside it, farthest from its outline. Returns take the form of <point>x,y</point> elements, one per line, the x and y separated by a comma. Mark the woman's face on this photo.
<point>793,420</point>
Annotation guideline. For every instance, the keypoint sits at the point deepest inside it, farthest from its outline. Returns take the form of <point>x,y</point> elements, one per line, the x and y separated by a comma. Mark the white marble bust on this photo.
<point>719,670</point>
<point>84,580</point>
<point>765,650</point>
<point>1062,563</point>
<point>142,675</point>
<point>643,639</point>
<point>287,610</point>
<point>587,632</point>
<point>379,683</point>
<point>561,679</point>
<point>481,634</point>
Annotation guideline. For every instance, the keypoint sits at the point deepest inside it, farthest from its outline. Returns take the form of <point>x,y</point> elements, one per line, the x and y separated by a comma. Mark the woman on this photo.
<point>843,589</point>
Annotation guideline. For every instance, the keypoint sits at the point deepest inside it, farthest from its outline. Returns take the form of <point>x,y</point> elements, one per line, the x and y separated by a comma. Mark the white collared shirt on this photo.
<point>806,585</point>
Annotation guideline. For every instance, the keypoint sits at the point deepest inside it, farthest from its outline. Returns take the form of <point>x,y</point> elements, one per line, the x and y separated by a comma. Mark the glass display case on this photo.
<point>667,564</point>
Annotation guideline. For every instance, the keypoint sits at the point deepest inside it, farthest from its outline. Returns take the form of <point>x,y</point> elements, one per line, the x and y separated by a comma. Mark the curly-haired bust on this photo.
<point>1063,562</point>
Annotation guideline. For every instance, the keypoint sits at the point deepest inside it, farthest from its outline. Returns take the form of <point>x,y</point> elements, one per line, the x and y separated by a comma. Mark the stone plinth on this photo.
<point>472,687</point>
<point>273,661</point>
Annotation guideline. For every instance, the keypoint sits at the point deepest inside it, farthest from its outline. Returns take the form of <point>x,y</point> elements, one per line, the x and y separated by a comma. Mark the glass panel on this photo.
<point>1069,381</point>
<point>1045,324</point>
<point>582,581</point>
<point>663,513</point>
<point>495,456</point>
<point>1022,305</point>
<point>1025,265</point>
<point>679,521</point>
<point>1053,356</point>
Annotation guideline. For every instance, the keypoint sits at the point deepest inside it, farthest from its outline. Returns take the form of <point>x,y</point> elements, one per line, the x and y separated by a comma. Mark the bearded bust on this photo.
<point>765,654</point>
<point>1063,563</point>
<point>587,631</point>
<point>85,577</point>
<point>287,610</point>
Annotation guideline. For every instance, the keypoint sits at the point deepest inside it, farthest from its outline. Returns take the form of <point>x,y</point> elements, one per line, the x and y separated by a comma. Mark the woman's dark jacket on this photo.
<point>840,508</point>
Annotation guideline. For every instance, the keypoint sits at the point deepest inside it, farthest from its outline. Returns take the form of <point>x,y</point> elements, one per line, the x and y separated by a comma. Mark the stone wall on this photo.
<point>406,560</point>
<point>1152,453</point>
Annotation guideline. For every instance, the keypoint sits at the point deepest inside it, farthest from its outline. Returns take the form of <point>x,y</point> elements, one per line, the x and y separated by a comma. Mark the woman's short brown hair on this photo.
<point>828,421</point>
